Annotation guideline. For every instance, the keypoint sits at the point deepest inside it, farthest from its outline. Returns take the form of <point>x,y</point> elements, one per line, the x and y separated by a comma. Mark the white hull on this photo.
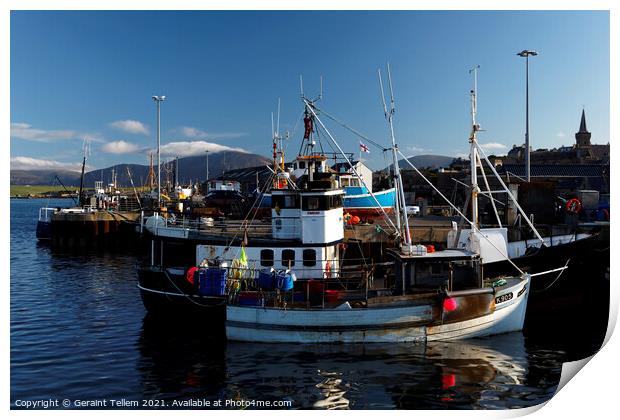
<point>410,323</point>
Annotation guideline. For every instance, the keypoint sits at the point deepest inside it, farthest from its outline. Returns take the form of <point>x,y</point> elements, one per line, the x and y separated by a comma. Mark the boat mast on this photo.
<point>278,148</point>
<point>176,172</point>
<point>400,199</point>
<point>473,151</point>
<point>85,147</point>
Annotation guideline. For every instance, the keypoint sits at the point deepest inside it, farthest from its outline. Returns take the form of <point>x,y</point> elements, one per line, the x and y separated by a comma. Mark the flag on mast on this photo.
<point>364,148</point>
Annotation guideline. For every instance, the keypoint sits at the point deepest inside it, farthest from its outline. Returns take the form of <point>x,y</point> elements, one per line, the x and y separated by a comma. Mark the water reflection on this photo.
<point>484,373</point>
<point>78,330</point>
<point>333,391</point>
<point>180,357</point>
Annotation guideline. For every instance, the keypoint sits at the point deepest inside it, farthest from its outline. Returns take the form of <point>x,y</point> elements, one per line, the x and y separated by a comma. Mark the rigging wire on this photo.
<point>354,131</point>
<point>473,226</point>
<point>245,220</point>
<point>386,217</point>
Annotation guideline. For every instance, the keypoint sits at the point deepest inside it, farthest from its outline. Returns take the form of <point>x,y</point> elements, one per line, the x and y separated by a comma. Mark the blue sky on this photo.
<point>92,74</point>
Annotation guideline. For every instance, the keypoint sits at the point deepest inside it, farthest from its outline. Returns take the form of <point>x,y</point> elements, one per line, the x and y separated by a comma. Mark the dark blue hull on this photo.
<point>44,230</point>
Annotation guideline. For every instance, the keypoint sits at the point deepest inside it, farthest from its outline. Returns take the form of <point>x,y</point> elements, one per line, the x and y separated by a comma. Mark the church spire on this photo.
<point>582,126</point>
<point>583,136</point>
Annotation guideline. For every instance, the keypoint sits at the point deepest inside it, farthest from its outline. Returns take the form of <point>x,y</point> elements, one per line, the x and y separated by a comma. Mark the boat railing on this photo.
<point>45,214</point>
<point>207,225</point>
<point>317,288</point>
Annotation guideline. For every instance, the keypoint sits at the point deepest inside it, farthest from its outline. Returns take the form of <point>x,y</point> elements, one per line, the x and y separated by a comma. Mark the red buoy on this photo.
<point>449,304</point>
<point>448,380</point>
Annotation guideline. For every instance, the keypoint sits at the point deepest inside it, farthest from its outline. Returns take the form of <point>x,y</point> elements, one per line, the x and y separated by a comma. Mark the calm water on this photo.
<point>79,331</point>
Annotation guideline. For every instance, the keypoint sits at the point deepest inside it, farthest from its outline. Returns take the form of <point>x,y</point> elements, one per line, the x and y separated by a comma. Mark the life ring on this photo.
<point>328,270</point>
<point>573,206</point>
<point>190,274</point>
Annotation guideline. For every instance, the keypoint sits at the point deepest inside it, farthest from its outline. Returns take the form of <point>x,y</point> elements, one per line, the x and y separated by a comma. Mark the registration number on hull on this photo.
<point>503,298</point>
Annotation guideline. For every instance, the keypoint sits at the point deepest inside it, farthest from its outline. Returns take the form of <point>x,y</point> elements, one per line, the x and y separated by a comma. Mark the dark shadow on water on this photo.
<point>182,359</point>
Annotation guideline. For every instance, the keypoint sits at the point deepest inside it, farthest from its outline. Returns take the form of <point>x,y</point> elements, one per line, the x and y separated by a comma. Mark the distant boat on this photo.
<point>358,199</point>
<point>101,215</point>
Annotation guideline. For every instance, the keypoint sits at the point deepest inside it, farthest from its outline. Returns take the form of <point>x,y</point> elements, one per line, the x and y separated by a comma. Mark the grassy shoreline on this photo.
<point>19,191</point>
<point>39,190</point>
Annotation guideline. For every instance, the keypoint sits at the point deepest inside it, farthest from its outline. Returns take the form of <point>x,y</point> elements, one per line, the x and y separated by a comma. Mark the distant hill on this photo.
<point>425,162</point>
<point>44,177</point>
<point>190,168</point>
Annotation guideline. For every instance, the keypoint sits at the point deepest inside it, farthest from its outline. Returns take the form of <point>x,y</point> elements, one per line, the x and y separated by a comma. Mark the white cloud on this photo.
<point>192,132</point>
<point>130,126</point>
<point>28,163</point>
<point>27,132</point>
<point>195,148</point>
<point>492,146</point>
<point>120,147</point>
<point>196,133</point>
<point>560,134</point>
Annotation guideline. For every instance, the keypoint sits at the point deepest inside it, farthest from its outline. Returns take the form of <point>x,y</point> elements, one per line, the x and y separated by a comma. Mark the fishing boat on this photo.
<point>499,255</point>
<point>102,215</point>
<point>425,296</point>
<point>293,240</point>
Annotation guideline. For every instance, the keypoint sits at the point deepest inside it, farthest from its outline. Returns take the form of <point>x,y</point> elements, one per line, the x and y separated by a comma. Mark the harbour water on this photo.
<point>79,331</point>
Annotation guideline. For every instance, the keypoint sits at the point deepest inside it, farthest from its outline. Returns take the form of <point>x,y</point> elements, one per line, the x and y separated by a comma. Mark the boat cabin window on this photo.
<point>309,257</point>
<point>344,182</point>
<point>266,257</point>
<point>302,165</point>
<point>285,201</point>
<point>288,257</point>
<point>335,201</point>
<point>321,202</point>
<point>314,203</point>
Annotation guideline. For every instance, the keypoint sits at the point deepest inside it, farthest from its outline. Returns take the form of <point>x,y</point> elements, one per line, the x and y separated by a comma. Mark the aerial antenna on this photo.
<point>301,85</point>
<point>278,126</point>
<point>321,93</point>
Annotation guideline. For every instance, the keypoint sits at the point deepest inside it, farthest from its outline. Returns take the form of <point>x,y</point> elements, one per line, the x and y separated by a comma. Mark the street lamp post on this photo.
<point>207,181</point>
<point>526,54</point>
<point>158,100</point>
